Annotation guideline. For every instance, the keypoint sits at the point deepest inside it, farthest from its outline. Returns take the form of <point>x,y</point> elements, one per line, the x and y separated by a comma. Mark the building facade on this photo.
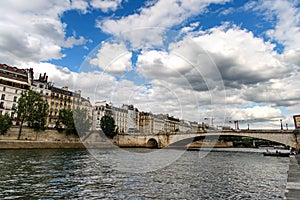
<point>61,98</point>
<point>13,81</point>
<point>128,119</point>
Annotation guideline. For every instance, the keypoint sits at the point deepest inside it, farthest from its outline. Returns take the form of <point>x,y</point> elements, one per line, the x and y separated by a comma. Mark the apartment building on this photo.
<point>62,98</point>
<point>13,81</point>
<point>146,123</point>
<point>126,117</point>
<point>132,119</point>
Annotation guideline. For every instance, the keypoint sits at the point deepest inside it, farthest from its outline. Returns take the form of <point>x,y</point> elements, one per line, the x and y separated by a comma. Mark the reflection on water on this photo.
<point>67,174</point>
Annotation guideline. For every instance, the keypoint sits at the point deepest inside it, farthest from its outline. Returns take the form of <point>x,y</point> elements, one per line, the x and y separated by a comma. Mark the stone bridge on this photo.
<point>287,137</point>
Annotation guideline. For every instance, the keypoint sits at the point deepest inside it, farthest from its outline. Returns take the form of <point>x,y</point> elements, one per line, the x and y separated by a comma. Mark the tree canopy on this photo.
<point>33,110</point>
<point>82,121</point>
<point>5,123</point>
<point>107,124</point>
<point>65,121</point>
<point>76,121</point>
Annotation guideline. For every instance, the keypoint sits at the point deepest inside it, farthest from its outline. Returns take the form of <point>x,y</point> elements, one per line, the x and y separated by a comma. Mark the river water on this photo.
<point>76,174</point>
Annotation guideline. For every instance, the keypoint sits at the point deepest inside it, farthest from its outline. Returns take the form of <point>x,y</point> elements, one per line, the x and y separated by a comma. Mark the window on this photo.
<point>16,91</point>
<point>3,97</point>
<point>1,104</point>
<point>14,107</point>
<point>4,88</point>
<point>15,99</point>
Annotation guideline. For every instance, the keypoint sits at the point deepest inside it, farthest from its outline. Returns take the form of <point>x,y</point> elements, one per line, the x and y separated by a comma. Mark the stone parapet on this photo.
<point>49,135</point>
<point>17,144</point>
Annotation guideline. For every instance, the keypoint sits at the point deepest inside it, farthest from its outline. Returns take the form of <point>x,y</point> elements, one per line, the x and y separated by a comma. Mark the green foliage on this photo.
<point>82,121</point>
<point>76,121</point>
<point>108,126</point>
<point>33,110</point>
<point>5,123</point>
<point>65,121</point>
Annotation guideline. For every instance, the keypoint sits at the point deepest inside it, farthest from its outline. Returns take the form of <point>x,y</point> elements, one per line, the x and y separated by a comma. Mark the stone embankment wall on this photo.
<point>30,139</point>
<point>23,144</point>
<point>48,135</point>
<point>50,139</point>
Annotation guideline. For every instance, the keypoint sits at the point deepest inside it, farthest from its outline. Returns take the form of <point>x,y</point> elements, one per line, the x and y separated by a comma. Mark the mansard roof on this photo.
<point>14,73</point>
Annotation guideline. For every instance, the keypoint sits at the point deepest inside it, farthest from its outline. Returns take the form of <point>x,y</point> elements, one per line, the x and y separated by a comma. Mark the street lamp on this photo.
<point>281,124</point>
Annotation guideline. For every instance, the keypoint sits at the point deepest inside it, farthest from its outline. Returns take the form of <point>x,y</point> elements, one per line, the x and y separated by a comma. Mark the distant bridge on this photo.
<point>286,137</point>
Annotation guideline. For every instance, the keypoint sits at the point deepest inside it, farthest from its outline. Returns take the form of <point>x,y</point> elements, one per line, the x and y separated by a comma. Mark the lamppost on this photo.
<point>281,124</point>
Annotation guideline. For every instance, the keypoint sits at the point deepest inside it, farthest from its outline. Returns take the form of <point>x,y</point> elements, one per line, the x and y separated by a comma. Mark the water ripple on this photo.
<point>75,174</point>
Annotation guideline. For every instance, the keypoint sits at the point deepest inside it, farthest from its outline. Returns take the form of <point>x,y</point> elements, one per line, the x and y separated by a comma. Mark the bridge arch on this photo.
<point>285,138</point>
<point>152,143</point>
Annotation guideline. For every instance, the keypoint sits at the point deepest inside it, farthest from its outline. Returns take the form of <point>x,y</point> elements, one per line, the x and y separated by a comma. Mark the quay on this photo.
<point>293,182</point>
<point>23,144</point>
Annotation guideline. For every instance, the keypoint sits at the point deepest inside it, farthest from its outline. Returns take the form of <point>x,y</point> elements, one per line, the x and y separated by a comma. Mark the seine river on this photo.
<point>76,174</point>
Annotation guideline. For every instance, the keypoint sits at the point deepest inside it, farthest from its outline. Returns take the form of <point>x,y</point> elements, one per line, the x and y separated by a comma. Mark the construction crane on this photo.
<point>211,120</point>
<point>236,124</point>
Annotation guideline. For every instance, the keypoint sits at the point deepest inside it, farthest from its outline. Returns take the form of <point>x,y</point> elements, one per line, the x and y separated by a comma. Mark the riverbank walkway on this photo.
<point>293,182</point>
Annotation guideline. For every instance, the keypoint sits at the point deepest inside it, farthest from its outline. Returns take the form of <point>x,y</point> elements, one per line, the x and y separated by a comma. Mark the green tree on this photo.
<point>76,121</point>
<point>33,110</point>
<point>5,123</point>
<point>107,124</point>
<point>82,121</point>
<point>66,121</point>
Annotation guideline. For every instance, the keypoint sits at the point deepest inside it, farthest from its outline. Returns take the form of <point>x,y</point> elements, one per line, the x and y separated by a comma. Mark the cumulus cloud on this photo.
<point>257,116</point>
<point>175,74</point>
<point>287,14</point>
<point>154,16</point>
<point>113,58</point>
<point>106,5</point>
<point>241,57</point>
<point>38,33</point>
<point>285,18</point>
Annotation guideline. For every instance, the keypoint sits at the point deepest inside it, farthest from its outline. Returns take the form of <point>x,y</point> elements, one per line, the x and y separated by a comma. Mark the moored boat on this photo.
<point>277,154</point>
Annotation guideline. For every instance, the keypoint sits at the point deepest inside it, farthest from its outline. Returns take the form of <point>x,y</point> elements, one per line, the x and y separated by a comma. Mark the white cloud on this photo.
<point>161,14</point>
<point>287,24</point>
<point>284,16</point>
<point>256,112</point>
<point>152,64</point>
<point>81,5</point>
<point>257,117</point>
<point>106,5</point>
<point>185,78</point>
<point>31,32</point>
<point>113,58</point>
<point>241,57</point>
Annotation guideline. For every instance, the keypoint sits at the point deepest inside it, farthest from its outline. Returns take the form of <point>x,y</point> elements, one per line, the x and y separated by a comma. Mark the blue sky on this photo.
<point>81,24</point>
<point>230,59</point>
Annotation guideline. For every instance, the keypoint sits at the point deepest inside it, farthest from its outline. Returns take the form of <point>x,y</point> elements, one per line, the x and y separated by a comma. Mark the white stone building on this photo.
<point>126,118</point>
<point>185,126</point>
<point>13,81</point>
<point>100,109</point>
<point>132,118</point>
